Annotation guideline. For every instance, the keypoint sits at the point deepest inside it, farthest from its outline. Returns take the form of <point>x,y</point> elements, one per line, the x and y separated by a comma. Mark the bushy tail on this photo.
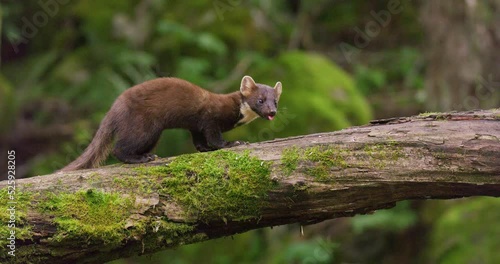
<point>98,150</point>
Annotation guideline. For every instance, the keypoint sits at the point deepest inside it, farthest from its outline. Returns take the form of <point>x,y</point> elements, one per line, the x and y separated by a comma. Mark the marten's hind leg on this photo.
<point>136,148</point>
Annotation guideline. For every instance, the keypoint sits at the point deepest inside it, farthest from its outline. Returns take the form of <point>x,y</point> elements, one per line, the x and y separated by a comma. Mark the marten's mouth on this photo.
<point>270,116</point>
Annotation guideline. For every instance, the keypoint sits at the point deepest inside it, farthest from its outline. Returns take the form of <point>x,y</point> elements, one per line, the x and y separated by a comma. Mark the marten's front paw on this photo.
<point>235,143</point>
<point>203,148</point>
<point>133,159</point>
<point>150,157</point>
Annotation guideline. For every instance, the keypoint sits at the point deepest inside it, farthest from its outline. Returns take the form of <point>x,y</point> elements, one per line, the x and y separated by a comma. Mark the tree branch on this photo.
<point>93,216</point>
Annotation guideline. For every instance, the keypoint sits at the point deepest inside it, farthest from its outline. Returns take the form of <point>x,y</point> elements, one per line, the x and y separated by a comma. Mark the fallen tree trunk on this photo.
<point>93,216</point>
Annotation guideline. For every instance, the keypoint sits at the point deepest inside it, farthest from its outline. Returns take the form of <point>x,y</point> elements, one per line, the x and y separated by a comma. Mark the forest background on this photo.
<point>342,63</point>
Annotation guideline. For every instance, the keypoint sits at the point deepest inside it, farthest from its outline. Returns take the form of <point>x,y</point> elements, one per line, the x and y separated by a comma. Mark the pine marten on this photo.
<point>141,113</point>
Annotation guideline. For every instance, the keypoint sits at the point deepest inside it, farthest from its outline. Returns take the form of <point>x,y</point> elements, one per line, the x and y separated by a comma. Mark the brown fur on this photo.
<point>141,113</point>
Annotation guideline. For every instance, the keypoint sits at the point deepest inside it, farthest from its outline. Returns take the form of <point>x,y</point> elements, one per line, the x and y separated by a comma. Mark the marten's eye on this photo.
<point>260,101</point>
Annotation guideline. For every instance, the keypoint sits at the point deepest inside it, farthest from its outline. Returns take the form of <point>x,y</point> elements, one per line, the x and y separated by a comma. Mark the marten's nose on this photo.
<point>272,113</point>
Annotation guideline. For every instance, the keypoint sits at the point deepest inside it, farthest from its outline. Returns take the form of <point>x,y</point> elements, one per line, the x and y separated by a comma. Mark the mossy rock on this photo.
<point>317,96</point>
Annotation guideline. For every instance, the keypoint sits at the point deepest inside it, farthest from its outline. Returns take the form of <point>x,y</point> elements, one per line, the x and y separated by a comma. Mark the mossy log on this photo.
<point>97,215</point>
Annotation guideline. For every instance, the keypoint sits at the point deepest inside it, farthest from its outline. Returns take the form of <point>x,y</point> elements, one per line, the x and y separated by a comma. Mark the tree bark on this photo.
<point>312,178</point>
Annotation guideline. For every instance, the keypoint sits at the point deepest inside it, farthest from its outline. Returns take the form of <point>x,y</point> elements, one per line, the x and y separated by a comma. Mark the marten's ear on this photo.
<point>247,85</point>
<point>277,90</point>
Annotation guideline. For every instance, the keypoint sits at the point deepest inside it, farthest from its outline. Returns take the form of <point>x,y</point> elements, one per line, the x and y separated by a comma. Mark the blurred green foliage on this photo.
<point>7,105</point>
<point>400,68</point>
<point>395,219</point>
<point>250,247</point>
<point>318,250</point>
<point>467,232</point>
<point>212,251</point>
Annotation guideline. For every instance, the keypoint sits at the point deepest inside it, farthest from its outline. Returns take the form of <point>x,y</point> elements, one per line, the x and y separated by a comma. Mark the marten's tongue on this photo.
<point>270,117</point>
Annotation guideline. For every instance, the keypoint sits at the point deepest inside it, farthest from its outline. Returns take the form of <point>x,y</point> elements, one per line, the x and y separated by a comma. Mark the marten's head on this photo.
<point>259,99</point>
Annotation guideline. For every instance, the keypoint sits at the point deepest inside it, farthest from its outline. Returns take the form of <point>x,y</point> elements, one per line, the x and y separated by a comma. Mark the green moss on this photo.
<point>20,203</point>
<point>216,185</point>
<point>95,175</point>
<point>175,234</point>
<point>428,114</point>
<point>161,233</point>
<point>89,217</point>
<point>300,186</point>
<point>434,115</point>
<point>139,184</point>
<point>289,160</point>
<point>382,154</point>
<point>329,156</point>
<point>322,157</point>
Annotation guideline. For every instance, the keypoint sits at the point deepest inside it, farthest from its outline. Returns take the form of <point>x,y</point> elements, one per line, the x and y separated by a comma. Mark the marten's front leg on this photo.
<point>199,141</point>
<point>214,139</point>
